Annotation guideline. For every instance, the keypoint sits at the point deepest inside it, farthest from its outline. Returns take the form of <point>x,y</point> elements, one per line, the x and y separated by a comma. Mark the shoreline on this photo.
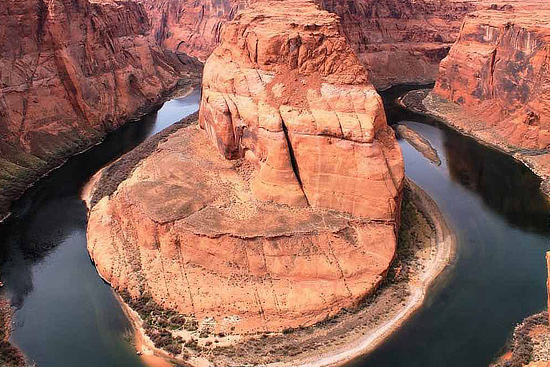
<point>445,250</point>
<point>428,107</point>
<point>184,84</point>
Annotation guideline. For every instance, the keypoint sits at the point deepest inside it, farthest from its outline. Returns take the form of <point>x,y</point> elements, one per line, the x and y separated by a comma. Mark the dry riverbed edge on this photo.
<point>427,246</point>
<point>423,102</point>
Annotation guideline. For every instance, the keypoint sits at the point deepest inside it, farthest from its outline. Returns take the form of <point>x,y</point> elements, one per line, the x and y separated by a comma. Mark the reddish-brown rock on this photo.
<point>70,70</point>
<point>191,26</point>
<point>497,70</point>
<point>399,41</point>
<point>239,241</point>
<point>494,84</point>
<point>285,91</point>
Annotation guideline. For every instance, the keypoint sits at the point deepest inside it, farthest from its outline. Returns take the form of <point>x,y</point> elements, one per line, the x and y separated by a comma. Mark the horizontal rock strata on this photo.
<point>497,69</point>
<point>285,91</point>
<point>209,249</point>
<point>399,41</point>
<point>71,70</point>
<point>283,209</point>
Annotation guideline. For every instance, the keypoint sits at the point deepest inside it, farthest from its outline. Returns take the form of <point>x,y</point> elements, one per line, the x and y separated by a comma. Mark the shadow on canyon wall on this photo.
<point>507,187</point>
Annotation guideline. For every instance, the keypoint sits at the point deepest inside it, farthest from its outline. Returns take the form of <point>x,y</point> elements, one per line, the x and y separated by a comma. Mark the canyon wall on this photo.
<point>71,70</point>
<point>498,71</point>
<point>191,26</point>
<point>399,41</point>
<point>283,208</point>
<point>294,99</point>
<point>494,84</point>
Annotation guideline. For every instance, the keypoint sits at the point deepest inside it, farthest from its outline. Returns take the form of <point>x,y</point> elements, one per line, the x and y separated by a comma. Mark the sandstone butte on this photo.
<point>497,76</point>
<point>283,209</point>
<point>71,70</point>
<point>400,41</point>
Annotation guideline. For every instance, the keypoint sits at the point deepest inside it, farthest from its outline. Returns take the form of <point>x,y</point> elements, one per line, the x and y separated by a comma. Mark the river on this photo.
<point>67,316</point>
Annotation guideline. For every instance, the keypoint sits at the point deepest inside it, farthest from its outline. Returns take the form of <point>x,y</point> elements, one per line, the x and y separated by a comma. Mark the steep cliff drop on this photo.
<point>191,26</point>
<point>280,212</point>
<point>399,41</point>
<point>70,71</point>
<point>493,85</point>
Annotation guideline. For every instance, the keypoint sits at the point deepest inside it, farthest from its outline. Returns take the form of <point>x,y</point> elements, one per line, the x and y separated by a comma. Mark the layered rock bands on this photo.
<point>497,78</point>
<point>399,41</point>
<point>70,70</point>
<point>282,209</point>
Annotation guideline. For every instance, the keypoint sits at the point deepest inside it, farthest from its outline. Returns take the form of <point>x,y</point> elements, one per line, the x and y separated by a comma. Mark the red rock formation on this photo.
<point>286,100</point>
<point>497,70</point>
<point>496,77</point>
<point>291,96</point>
<point>70,70</point>
<point>191,26</point>
<point>399,41</point>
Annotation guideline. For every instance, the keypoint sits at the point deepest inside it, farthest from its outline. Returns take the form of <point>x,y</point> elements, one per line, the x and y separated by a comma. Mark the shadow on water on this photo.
<point>507,187</point>
<point>65,314</point>
<point>501,220</point>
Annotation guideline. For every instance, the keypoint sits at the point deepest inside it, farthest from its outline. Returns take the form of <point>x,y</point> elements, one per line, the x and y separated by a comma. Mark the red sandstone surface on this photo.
<point>493,85</point>
<point>281,213</point>
<point>497,69</point>
<point>290,96</point>
<point>70,70</point>
<point>400,41</point>
<point>191,26</point>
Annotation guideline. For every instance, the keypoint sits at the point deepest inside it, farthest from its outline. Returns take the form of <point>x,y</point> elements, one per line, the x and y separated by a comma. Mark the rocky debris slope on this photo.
<point>10,356</point>
<point>296,219</point>
<point>71,70</point>
<point>494,82</point>
<point>399,41</point>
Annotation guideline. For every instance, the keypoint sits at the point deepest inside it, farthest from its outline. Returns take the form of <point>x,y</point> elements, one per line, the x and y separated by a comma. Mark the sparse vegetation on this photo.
<point>122,168</point>
<point>521,344</point>
<point>10,356</point>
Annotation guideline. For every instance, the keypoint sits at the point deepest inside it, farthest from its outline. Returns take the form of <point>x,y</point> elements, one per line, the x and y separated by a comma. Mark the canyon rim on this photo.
<point>275,226</point>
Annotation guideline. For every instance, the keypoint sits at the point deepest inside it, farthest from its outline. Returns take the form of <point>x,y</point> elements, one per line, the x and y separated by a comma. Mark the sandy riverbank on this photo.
<point>426,248</point>
<point>423,102</point>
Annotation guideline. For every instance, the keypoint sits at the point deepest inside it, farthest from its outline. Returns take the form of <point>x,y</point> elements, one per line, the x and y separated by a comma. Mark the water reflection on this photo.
<point>66,315</point>
<point>498,278</point>
<point>507,187</point>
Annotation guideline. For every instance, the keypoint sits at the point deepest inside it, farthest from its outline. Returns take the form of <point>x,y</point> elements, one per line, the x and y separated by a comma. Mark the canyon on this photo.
<point>276,210</point>
<point>493,85</point>
<point>399,41</point>
<point>71,72</point>
<point>251,239</point>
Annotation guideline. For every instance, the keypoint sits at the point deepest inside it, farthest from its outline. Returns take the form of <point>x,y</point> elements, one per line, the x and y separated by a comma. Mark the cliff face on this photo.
<point>294,99</point>
<point>399,41</point>
<point>285,210</point>
<point>191,26</point>
<point>498,71</point>
<point>70,70</point>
